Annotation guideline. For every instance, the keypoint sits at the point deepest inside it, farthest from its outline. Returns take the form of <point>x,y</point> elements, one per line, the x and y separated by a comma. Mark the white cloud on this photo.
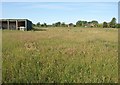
<point>53,6</point>
<point>47,6</point>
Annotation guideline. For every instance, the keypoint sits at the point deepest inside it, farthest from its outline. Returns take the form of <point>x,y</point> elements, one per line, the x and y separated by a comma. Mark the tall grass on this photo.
<point>60,55</point>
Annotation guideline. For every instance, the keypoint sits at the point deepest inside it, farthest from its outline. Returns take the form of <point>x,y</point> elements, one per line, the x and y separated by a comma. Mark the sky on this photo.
<point>68,12</point>
<point>60,0</point>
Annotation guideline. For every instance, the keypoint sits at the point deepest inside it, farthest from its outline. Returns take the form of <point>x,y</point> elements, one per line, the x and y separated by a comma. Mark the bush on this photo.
<point>118,26</point>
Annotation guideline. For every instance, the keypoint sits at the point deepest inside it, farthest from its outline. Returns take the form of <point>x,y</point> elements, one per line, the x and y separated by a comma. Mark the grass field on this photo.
<point>61,55</point>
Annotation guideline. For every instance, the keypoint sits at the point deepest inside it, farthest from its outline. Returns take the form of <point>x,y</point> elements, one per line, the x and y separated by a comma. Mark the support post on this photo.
<point>8,25</point>
<point>16,25</point>
<point>25,24</point>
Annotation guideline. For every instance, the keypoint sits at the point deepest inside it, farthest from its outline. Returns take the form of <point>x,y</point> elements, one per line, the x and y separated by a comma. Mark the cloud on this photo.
<point>51,6</point>
<point>67,5</point>
<point>46,6</point>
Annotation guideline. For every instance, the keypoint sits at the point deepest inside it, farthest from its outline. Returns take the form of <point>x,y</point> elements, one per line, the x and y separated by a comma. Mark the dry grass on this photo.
<point>61,55</point>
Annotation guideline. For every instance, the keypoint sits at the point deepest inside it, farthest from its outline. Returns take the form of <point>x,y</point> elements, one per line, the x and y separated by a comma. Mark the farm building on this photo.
<point>15,24</point>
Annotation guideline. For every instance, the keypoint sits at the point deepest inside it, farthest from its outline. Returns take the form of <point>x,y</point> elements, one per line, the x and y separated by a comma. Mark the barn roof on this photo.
<point>14,19</point>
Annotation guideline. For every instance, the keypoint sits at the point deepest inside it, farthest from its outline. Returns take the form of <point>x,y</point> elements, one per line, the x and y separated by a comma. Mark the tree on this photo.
<point>57,24</point>
<point>53,25</point>
<point>84,23</point>
<point>33,25</point>
<point>45,25</point>
<point>118,25</point>
<point>79,23</point>
<point>63,24</point>
<point>42,25</point>
<point>100,25</point>
<point>38,24</point>
<point>70,25</point>
<point>105,24</point>
<point>113,23</point>
<point>95,23</point>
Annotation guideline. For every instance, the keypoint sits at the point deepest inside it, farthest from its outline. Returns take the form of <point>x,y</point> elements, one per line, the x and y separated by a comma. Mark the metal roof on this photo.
<point>13,19</point>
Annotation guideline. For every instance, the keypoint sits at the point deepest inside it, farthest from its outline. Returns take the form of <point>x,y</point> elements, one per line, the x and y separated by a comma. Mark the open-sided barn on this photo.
<point>15,24</point>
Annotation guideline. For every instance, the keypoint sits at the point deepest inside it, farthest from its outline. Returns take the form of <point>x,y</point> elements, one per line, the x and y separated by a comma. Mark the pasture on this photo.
<point>60,55</point>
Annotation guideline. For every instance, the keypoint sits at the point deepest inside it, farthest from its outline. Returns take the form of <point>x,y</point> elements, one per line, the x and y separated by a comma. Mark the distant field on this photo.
<point>61,55</point>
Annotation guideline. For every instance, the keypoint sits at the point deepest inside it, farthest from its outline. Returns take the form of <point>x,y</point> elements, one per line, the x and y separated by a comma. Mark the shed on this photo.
<point>15,24</point>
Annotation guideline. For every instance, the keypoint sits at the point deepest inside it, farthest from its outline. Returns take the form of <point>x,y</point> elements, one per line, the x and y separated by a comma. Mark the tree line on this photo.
<point>80,23</point>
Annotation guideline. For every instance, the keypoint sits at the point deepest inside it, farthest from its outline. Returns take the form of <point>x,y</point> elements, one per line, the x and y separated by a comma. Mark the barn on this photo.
<point>16,24</point>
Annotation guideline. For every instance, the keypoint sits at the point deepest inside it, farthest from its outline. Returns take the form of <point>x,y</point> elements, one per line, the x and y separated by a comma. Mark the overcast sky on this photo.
<point>67,12</point>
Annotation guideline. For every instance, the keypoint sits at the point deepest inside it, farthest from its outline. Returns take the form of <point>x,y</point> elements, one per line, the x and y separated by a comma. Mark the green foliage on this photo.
<point>112,24</point>
<point>57,24</point>
<point>87,24</point>
<point>60,56</point>
<point>71,25</point>
<point>100,25</point>
<point>105,24</point>
<point>117,25</point>
<point>45,25</point>
<point>95,23</point>
<point>38,24</point>
<point>81,23</point>
<point>63,24</point>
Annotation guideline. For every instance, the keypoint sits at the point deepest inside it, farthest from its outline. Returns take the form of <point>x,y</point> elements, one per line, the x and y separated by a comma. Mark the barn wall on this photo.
<point>29,25</point>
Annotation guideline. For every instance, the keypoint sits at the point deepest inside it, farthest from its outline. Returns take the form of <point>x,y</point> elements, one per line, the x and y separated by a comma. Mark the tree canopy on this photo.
<point>80,23</point>
<point>105,24</point>
<point>113,23</point>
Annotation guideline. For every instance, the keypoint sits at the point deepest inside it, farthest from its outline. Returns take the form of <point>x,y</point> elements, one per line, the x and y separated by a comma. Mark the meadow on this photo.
<point>60,55</point>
